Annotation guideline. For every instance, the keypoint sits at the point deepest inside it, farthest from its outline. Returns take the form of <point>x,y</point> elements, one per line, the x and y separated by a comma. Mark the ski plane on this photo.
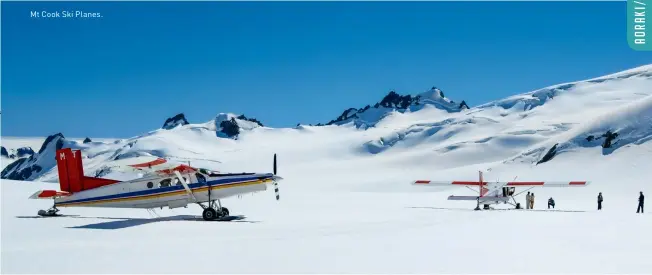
<point>165,184</point>
<point>496,192</point>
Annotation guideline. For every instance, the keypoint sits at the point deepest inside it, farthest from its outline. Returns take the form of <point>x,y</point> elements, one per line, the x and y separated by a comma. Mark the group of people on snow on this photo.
<point>529,202</point>
<point>639,209</point>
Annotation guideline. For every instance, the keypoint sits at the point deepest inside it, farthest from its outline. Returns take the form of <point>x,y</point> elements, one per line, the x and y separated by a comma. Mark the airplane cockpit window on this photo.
<point>178,182</point>
<point>200,178</point>
<point>204,171</point>
<point>165,182</point>
<point>508,191</point>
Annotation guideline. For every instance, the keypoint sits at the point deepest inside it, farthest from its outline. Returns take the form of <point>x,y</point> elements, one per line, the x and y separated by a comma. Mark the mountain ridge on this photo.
<point>527,127</point>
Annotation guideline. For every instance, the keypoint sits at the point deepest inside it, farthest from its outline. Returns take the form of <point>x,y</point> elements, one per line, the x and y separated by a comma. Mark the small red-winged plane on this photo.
<point>497,192</point>
<point>165,184</point>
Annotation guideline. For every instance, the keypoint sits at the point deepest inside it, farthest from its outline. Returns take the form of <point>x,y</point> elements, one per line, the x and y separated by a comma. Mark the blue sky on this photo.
<point>286,62</point>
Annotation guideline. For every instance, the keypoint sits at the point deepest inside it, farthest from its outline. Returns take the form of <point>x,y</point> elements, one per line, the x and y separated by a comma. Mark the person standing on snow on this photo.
<point>600,201</point>
<point>532,201</point>
<point>641,199</point>
<point>527,200</point>
<point>551,202</point>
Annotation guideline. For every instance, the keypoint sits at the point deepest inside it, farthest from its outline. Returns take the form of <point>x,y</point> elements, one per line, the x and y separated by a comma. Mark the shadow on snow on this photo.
<point>504,209</point>
<point>119,223</point>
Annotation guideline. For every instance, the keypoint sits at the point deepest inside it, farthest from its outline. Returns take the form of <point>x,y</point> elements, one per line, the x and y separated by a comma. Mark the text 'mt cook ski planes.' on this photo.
<point>497,192</point>
<point>165,184</point>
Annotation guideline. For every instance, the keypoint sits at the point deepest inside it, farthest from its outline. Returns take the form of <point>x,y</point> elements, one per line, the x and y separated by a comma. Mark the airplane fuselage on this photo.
<point>158,192</point>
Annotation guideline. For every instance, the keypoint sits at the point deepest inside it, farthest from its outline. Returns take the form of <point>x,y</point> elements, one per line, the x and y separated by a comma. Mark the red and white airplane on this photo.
<point>165,184</point>
<point>497,192</point>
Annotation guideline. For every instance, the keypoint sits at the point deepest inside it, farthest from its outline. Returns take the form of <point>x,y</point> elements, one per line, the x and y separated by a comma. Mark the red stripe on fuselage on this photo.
<point>422,182</point>
<point>577,183</point>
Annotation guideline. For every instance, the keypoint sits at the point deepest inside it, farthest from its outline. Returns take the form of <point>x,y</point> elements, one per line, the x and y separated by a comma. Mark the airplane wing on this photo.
<point>548,183</point>
<point>509,183</point>
<point>137,163</point>
<point>480,184</point>
<point>447,183</point>
<point>153,165</point>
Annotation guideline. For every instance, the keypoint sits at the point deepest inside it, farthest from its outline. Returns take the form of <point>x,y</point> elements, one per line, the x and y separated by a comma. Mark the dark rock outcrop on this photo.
<point>394,101</point>
<point>10,172</point>
<point>230,127</point>
<point>87,140</point>
<point>21,152</point>
<point>608,139</point>
<point>175,121</point>
<point>58,138</point>
<point>549,155</point>
<point>608,142</point>
<point>24,152</point>
<point>29,168</point>
<point>348,114</point>
<point>243,117</point>
<point>102,172</point>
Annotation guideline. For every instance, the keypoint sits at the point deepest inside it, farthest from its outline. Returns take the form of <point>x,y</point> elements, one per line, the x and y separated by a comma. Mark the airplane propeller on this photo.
<point>274,179</point>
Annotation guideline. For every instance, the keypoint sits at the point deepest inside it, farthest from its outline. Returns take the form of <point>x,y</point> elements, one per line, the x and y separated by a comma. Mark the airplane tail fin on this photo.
<point>62,157</point>
<point>483,190</point>
<point>71,172</point>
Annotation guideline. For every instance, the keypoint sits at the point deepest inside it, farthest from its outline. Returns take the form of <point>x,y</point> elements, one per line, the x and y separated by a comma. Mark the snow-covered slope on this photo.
<point>434,131</point>
<point>336,222</point>
<point>24,147</point>
<point>230,125</point>
<point>503,128</point>
<point>627,125</point>
<point>14,148</point>
<point>39,163</point>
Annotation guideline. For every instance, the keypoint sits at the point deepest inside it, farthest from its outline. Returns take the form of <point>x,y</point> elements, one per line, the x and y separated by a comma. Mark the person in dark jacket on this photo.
<point>600,201</point>
<point>641,199</point>
<point>551,202</point>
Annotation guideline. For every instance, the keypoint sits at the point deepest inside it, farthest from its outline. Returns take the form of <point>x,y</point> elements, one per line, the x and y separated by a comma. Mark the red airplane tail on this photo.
<point>483,190</point>
<point>71,172</point>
